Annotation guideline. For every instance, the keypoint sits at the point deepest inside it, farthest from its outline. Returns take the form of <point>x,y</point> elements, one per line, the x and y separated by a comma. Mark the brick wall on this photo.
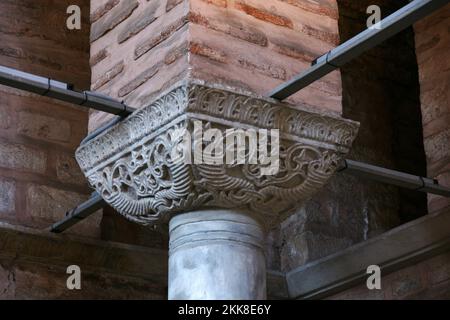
<point>380,89</point>
<point>23,281</point>
<point>39,178</point>
<point>256,45</point>
<point>433,54</point>
<point>427,280</point>
<point>139,48</point>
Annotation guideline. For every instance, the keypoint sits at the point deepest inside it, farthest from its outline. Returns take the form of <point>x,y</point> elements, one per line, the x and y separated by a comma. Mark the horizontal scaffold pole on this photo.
<point>368,39</point>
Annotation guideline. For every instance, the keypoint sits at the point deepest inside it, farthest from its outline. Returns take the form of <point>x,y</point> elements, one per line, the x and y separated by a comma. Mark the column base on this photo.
<point>216,255</point>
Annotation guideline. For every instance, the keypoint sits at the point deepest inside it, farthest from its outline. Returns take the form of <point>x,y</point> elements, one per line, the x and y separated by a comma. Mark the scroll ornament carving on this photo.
<point>134,168</point>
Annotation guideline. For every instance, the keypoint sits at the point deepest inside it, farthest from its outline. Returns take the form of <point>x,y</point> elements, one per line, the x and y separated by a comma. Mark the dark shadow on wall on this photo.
<point>381,90</point>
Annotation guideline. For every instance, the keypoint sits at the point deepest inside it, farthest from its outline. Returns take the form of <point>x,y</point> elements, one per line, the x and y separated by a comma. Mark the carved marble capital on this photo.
<point>131,165</point>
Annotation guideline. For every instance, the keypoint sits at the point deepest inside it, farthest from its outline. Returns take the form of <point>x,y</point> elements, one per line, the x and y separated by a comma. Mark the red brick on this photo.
<point>332,38</point>
<point>98,57</point>
<point>208,52</point>
<point>234,29</point>
<point>406,285</point>
<point>322,7</point>
<point>43,127</point>
<point>68,171</point>
<point>219,3</point>
<point>5,118</point>
<point>267,69</point>
<point>113,18</point>
<point>293,50</point>
<point>176,54</point>
<point>7,196</point>
<point>108,76</point>
<point>7,283</point>
<point>138,81</point>
<point>139,23</point>
<point>172,4</point>
<point>101,11</point>
<point>47,205</point>
<point>264,15</point>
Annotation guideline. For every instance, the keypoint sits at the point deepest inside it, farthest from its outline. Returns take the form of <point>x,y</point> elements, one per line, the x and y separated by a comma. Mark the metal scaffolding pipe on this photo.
<point>358,169</point>
<point>392,177</point>
<point>349,50</point>
<point>62,91</point>
<point>79,213</point>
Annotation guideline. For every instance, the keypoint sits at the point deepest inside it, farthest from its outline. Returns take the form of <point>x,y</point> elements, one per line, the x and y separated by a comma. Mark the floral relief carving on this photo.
<point>132,165</point>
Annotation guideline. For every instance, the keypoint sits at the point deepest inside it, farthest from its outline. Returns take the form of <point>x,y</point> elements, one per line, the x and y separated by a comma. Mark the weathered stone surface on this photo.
<point>264,15</point>
<point>219,3</point>
<point>5,119</point>
<point>176,53</point>
<point>35,129</point>
<point>68,171</point>
<point>438,269</point>
<point>226,46</point>
<point>161,128</point>
<point>47,204</point>
<point>394,252</point>
<point>7,196</point>
<point>160,37</point>
<point>43,127</point>
<point>50,203</point>
<point>33,265</point>
<point>232,26</point>
<point>350,210</point>
<point>323,7</point>
<point>293,50</point>
<point>20,157</point>
<point>432,46</point>
<point>202,244</point>
<point>264,67</point>
<point>7,284</point>
<point>406,282</point>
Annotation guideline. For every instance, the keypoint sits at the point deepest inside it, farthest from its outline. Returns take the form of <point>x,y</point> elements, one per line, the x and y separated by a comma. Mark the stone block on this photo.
<point>7,283</point>
<point>48,205</point>
<point>21,157</point>
<point>7,196</point>
<point>43,127</point>
<point>68,171</point>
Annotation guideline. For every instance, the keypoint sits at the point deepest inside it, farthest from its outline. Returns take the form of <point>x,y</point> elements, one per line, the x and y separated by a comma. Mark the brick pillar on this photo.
<point>139,48</point>
<point>433,56</point>
<point>39,178</point>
